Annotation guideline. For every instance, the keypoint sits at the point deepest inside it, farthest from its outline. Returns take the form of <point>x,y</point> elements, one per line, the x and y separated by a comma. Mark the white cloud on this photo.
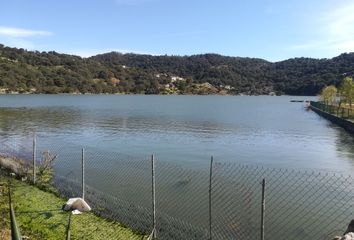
<point>341,21</point>
<point>336,46</point>
<point>21,38</point>
<point>21,33</point>
<point>335,31</point>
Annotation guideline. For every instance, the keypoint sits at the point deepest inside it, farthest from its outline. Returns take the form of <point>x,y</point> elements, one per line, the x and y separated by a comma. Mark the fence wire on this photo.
<point>343,111</point>
<point>299,204</point>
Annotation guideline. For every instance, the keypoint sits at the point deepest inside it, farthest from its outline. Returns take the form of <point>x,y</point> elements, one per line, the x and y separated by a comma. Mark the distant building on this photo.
<point>3,90</point>
<point>175,79</point>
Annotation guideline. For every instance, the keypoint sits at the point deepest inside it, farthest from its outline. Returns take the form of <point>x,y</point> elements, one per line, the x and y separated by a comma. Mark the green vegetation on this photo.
<point>44,170</point>
<point>39,216</point>
<point>345,93</point>
<point>50,72</point>
<point>329,94</point>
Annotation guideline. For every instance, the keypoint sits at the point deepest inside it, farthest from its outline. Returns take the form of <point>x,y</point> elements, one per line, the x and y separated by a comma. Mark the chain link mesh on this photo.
<point>299,204</point>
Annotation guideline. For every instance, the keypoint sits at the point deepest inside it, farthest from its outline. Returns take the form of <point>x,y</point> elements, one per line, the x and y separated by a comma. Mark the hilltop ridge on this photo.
<point>51,72</point>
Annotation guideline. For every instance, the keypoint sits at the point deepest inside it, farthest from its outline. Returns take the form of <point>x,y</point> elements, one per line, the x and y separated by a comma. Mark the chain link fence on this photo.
<point>216,201</point>
<point>343,111</point>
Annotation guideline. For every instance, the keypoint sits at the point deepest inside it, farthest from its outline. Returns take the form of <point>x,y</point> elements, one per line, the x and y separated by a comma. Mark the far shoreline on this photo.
<point>142,94</point>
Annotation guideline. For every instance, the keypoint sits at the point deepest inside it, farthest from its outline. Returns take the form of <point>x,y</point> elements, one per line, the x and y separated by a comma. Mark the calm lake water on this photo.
<point>187,130</point>
<point>119,132</point>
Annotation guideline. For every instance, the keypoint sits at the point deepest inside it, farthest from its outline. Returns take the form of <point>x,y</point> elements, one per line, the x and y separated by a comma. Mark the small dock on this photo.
<point>300,101</point>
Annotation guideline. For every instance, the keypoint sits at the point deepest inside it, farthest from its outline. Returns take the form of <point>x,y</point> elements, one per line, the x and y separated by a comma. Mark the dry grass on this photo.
<point>15,165</point>
<point>5,234</point>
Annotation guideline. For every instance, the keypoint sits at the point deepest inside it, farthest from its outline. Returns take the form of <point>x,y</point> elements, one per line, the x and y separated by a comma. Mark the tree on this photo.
<point>346,90</point>
<point>328,95</point>
<point>53,72</point>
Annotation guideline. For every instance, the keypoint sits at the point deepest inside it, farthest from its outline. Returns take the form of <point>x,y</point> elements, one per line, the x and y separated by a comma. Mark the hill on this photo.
<point>52,72</point>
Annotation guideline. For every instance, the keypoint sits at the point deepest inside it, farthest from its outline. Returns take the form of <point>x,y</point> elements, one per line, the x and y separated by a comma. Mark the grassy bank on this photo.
<point>39,216</point>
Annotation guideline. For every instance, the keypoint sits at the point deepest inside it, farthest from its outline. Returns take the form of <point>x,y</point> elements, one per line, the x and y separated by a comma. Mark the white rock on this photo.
<point>78,204</point>
<point>348,236</point>
<point>76,212</point>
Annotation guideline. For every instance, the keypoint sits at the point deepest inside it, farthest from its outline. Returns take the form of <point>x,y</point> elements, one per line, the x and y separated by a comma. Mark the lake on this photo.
<point>187,130</point>
<point>257,135</point>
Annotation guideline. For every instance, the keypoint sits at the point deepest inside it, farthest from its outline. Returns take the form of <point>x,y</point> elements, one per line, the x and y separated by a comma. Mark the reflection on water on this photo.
<point>185,129</point>
<point>17,121</point>
<point>345,144</point>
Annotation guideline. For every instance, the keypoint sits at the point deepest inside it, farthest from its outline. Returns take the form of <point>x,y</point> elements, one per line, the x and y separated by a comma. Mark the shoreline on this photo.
<point>339,121</point>
<point>141,94</point>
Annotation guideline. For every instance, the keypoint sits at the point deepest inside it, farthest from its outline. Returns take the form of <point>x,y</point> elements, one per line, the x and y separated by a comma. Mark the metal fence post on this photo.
<point>34,158</point>
<point>210,185</point>
<point>83,172</point>
<point>263,208</point>
<point>153,196</point>
<point>68,227</point>
<point>15,232</point>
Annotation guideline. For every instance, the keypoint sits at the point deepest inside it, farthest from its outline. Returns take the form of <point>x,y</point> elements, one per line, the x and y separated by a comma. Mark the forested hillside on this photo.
<point>51,72</point>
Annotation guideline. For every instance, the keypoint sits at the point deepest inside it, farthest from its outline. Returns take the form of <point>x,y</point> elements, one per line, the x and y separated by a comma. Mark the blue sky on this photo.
<point>270,29</point>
